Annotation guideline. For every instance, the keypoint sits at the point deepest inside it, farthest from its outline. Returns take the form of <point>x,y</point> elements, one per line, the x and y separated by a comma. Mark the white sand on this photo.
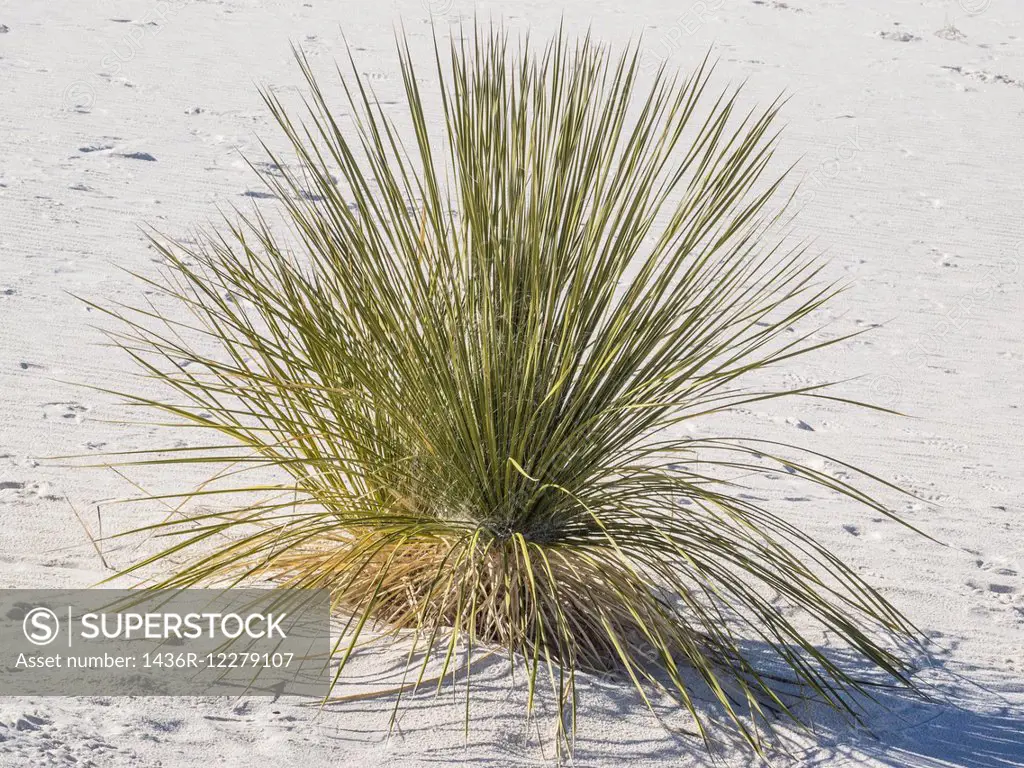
<point>909,117</point>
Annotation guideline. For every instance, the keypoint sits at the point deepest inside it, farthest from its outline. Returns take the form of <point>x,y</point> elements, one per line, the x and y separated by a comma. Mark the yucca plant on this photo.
<point>470,357</point>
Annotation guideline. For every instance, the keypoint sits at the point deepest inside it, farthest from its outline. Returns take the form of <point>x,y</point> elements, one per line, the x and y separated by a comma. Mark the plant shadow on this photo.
<point>947,737</point>
<point>961,725</point>
<point>958,723</point>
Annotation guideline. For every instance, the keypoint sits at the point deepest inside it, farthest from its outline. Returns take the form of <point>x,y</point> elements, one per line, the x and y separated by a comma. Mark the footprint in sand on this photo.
<point>1001,589</point>
<point>993,588</point>
<point>1003,574</point>
<point>997,566</point>
<point>6,486</point>
<point>947,446</point>
<point>899,36</point>
<point>949,32</point>
<point>799,424</point>
<point>65,411</point>
<point>984,76</point>
<point>138,156</point>
<point>777,4</point>
<point>96,146</point>
<point>15,490</point>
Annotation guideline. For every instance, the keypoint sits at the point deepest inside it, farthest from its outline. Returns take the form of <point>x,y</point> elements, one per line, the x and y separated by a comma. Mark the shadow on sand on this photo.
<point>963,726</point>
<point>932,735</point>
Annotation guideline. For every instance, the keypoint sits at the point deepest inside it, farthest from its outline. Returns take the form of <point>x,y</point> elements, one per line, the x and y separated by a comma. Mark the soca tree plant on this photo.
<point>468,344</point>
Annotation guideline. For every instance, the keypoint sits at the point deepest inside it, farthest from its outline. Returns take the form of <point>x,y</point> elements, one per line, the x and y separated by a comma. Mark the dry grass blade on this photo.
<point>468,372</point>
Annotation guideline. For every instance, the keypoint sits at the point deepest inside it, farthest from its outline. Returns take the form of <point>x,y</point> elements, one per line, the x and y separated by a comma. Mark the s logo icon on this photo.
<point>40,626</point>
